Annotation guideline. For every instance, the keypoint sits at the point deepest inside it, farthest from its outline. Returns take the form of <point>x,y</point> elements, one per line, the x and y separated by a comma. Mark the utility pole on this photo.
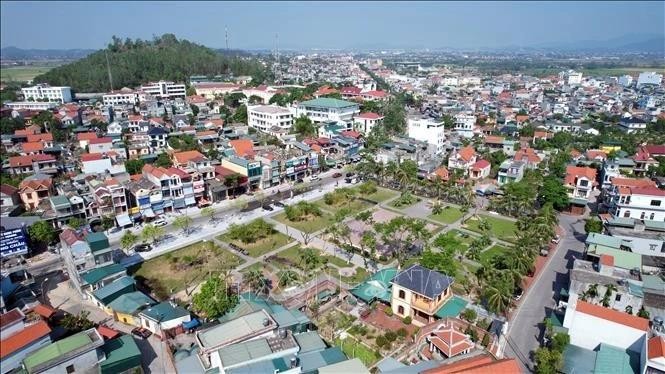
<point>226,36</point>
<point>277,72</point>
<point>108,67</point>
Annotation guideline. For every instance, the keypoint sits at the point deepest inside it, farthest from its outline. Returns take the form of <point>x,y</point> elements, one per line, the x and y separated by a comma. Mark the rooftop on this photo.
<point>122,354</point>
<point>62,350</point>
<point>23,338</point>
<point>325,102</point>
<point>236,330</point>
<point>426,282</point>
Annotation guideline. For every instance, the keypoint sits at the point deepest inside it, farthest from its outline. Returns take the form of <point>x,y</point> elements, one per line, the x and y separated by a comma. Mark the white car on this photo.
<point>314,177</point>
<point>160,222</point>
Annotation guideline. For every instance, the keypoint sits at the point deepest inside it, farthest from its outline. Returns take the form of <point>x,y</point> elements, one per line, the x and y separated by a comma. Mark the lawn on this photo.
<point>261,246</point>
<point>495,251</point>
<point>22,73</point>
<point>354,206</point>
<point>381,195</point>
<point>453,241</point>
<point>501,228</point>
<point>310,225</point>
<point>463,237</point>
<point>393,203</point>
<point>186,266</point>
<point>449,215</point>
<point>339,262</point>
<point>360,275</point>
<point>353,349</point>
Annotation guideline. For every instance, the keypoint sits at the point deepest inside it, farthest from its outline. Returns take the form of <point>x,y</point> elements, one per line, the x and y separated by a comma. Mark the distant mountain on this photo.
<point>15,53</point>
<point>136,62</point>
<point>626,43</point>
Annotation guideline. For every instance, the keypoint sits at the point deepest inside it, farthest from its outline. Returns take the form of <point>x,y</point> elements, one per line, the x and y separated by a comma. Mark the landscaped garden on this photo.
<point>448,214</point>
<point>257,237</point>
<point>354,349</point>
<point>345,199</point>
<point>405,200</point>
<point>185,267</point>
<point>370,191</point>
<point>304,216</point>
<point>495,251</point>
<point>500,228</point>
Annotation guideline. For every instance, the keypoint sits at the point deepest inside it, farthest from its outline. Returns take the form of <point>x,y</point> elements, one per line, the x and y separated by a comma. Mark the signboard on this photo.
<point>13,242</point>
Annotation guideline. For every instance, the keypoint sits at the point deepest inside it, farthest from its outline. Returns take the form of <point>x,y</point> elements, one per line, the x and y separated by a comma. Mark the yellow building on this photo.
<point>419,293</point>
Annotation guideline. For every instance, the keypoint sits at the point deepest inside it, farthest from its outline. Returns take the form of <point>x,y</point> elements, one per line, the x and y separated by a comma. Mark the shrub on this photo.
<point>469,315</point>
<point>389,311</point>
<point>381,341</point>
<point>391,336</point>
<point>406,320</point>
<point>402,333</point>
<point>367,188</point>
<point>486,340</point>
<point>483,324</point>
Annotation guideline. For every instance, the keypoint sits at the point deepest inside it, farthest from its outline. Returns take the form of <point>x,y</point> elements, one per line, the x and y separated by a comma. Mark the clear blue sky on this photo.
<point>253,25</point>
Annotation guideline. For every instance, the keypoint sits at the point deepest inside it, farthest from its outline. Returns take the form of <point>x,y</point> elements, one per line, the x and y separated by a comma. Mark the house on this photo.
<point>328,109</point>
<point>101,163</point>
<point>34,189</point>
<point>463,159</point>
<point>252,170</point>
<point>45,138</point>
<point>82,253</point>
<point>365,122</point>
<point>20,338</point>
<point>427,130</point>
<point>163,316</point>
<point>510,171</point>
<point>632,124</point>
<point>419,293</point>
<point>9,198</point>
<point>127,306</point>
<point>121,355</point>
<point>267,117</point>
<point>84,138</point>
<point>464,125</point>
<point>100,145</point>
<point>480,170</point>
<point>478,364</point>
<point>101,276</point>
<point>111,291</point>
<point>33,163</point>
<point>528,156</point>
<point>77,353</point>
<point>642,202</point>
<point>656,354</point>
<point>579,182</point>
<point>31,148</point>
<point>645,158</point>
<point>448,342</point>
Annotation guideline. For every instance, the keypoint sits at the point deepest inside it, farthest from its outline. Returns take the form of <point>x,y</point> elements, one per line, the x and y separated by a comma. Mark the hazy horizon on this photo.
<point>331,25</point>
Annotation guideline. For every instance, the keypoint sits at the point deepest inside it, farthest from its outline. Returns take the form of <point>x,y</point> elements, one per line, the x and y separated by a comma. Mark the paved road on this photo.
<point>524,328</point>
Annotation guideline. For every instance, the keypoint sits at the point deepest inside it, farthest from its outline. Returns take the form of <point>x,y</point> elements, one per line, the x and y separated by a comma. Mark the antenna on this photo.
<point>226,36</point>
<point>108,67</point>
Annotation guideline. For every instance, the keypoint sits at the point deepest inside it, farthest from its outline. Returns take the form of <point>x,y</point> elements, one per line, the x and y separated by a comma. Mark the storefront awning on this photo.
<point>148,213</point>
<point>123,220</point>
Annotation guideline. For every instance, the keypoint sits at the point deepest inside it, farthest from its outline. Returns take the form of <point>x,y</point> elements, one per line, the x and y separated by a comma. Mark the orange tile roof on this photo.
<point>466,153</point>
<point>182,158</point>
<point>528,155</point>
<point>460,365</point>
<point>442,173</point>
<point>521,118</point>
<point>32,147</point>
<point>100,140</point>
<point>44,310</point>
<point>23,338</point>
<point>45,137</point>
<point>243,147</point>
<point>493,139</point>
<point>632,182</point>
<point>574,172</point>
<point>91,157</point>
<point>505,366</point>
<point>10,317</point>
<point>607,260</point>
<point>35,184</point>
<point>656,347</point>
<point>596,153</point>
<point>613,315</point>
<point>28,160</point>
<point>451,342</point>
<point>86,136</point>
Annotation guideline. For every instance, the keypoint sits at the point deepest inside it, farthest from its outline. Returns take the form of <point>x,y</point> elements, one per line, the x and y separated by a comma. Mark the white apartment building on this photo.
<point>121,97</point>
<point>265,117</point>
<point>31,105</point>
<point>365,122</point>
<point>632,124</point>
<point>328,110</point>
<point>61,94</point>
<point>638,203</point>
<point>427,130</point>
<point>649,78</point>
<point>165,90</point>
<point>211,89</point>
<point>571,77</point>
<point>464,124</point>
<point>625,80</point>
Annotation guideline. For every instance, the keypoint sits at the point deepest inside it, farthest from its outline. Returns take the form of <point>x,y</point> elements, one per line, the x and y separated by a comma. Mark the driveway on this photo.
<point>525,327</point>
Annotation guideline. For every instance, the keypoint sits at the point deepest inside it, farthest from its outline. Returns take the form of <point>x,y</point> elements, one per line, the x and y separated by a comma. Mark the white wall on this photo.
<point>588,332</point>
<point>81,363</point>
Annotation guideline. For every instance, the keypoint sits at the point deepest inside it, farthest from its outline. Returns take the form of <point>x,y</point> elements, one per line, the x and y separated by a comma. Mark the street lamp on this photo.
<point>43,295</point>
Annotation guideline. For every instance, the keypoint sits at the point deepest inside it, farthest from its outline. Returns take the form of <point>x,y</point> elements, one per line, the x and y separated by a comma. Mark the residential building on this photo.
<point>655,355</point>
<point>34,189</point>
<point>101,164</point>
<point>85,137</point>
<point>210,90</point>
<point>165,90</point>
<point>327,110</point>
<point>625,80</point>
<point>121,97</point>
<point>100,145</point>
<point>365,122</point>
<point>77,353</point>
<point>448,342</point>
<point>480,170</point>
<point>580,181</point>
<point>32,105</point>
<point>157,138</point>
<point>571,77</point>
<point>45,92</point>
<point>34,163</point>
<point>109,197</point>
<point>263,92</point>
<point>427,130</point>
<point>419,293</point>
<point>510,171</point>
<point>250,169</point>
<point>9,198</point>
<point>269,117</point>
<point>463,159</point>
<point>464,125</point>
<point>82,253</point>
<point>649,78</point>
<point>632,124</point>
<point>171,182</point>
<point>163,317</point>
<point>638,202</point>
<point>20,338</point>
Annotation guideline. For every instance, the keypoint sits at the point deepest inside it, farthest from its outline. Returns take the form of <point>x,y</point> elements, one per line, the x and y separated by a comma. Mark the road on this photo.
<point>525,327</point>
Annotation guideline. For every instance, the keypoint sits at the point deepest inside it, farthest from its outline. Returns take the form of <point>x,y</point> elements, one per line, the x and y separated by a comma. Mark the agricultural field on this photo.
<point>22,73</point>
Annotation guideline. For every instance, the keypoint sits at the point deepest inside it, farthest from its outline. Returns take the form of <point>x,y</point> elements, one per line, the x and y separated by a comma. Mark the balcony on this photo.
<point>426,305</point>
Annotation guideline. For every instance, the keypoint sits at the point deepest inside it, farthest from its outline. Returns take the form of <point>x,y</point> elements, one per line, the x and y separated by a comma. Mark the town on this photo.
<point>332,212</point>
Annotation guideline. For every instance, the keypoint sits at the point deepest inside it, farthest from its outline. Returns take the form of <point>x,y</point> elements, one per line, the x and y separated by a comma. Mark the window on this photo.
<point>626,214</point>
<point>70,369</point>
<point>642,215</point>
<point>402,294</point>
<point>400,310</point>
<point>655,202</point>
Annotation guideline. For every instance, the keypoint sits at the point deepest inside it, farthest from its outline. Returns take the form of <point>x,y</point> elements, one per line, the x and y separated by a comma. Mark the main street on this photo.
<point>524,331</point>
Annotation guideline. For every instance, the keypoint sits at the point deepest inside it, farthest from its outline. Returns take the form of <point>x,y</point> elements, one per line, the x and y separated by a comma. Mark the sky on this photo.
<point>328,25</point>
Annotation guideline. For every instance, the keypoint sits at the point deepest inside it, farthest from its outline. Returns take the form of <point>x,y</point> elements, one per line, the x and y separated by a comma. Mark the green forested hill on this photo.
<point>134,62</point>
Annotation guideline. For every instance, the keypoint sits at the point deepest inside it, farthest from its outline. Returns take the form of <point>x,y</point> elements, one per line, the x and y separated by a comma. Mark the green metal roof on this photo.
<point>56,350</point>
<point>622,259</point>
<point>376,287</point>
<point>60,201</point>
<point>98,274</point>
<point>131,302</point>
<point>611,359</point>
<point>577,201</point>
<point>309,341</point>
<point>578,360</point>
<point>621,221</point>
<point>326,102</point>
<point>97,241</point>
<point>114,289</point>
<point>122,354</point>
<point>244,352</point>
<point>654,225</point>
<point>164,311</point>
<point>452,307</point>
<point>600,240</point>
<point>250,303</point>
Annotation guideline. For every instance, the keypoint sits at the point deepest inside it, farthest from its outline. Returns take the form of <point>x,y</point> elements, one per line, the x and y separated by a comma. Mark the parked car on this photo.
<point>141,332</point>
<point>544,252</point>
<point>279,204</point>
<point>556,239</point>
<point>142,247</point>
<point>314,177</point>
<point>348,175</point>
<point>337,175</point>
<point>160,222</point>
<point>518,294</point>
<point>268,207</point>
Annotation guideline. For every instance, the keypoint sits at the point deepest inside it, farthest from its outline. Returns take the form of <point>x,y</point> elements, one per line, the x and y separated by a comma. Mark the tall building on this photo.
<point>427,130</point>
<point>165,90</point>
<point>43,91</point>
<point>649,78</point>
<point>327,110</point>
<point>265,117</point>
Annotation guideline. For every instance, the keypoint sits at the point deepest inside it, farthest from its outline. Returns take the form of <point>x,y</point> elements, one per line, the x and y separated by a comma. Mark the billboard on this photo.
<point>13,242</point>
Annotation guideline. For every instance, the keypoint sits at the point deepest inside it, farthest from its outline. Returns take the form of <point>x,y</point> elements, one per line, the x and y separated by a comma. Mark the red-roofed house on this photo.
<point>580,181</point>
<point>590,325</point>
<point>39,163</point>
<point>656,354</point>
<point>448,342</point>
<point>376,95</point>
<point>100,145</point>
<point>644,202</point>
<point>84,138</point>
<point>463,159</point>
<point>32,148</point>
<point>528,156</point>
<point>365,122</point>
<point>8,196</point>
<point>243,147</point>
<point>45,138</point>
<point>325,90</point>
<point>20,341</point>
<point>34,189</point>
<point>483,364</point>
<point>441,172</point>
<point>596,155</point>
<point>350,92</point>
<point>645,158</point>
<point>181,159</point>
<point>480,170</point>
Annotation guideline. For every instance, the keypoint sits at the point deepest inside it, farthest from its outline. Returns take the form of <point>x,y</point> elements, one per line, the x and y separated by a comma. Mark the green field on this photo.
<point>22,73</point>
<point>353,349</point>
<point>501,228</point>
<point>495,251</point>
<point>380,195</point>
<point>261,246</point>
<point>309,225</point>
<point>449,215</point>
<point>354,206</point>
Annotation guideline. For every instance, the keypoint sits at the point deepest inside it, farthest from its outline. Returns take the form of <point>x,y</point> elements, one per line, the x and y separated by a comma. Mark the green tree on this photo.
<point>78,322</point>
<point>8,125</point>
<point>548,361</point>
<point>128,239</point>
<point>593,225</point>
<point>75,222</point>
<point>42,232</point>
<point>553,192</point>
<point>215,298</point>
<point>442,262</point>
<point>240,115</point>
<point>152,233</point>
<point>304,127</point>
<point>209,212</point>
<point>183,223</point>
<point>255,279</point>
<point>134,166</point>
<point>402,233</point>
<point>108,222</point>
<point>163,161</point>
<point>195,109</point>
<point>287,277</point>
<point>469,315</point>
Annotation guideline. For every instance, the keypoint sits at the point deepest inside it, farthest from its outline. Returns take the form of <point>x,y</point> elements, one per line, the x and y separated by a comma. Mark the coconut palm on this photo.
<point>498,299</point>
<point>254,278</point>
<point>287,277</point>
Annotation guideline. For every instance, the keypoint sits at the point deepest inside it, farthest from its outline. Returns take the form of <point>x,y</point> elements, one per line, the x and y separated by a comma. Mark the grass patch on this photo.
<point>22,73</point>
<point>353,206</point>
<point>257,266</point>
<point>397,204</point>
<point>339,262</point>
<point>353,349</point>
<point>495,251</point>
<point>501,228</point>
<point>381,195</point>
<point>261,246</point>
<point>449,215</point>
<point>360,275</point>
<point>186,266</point>
<point>312,224</point>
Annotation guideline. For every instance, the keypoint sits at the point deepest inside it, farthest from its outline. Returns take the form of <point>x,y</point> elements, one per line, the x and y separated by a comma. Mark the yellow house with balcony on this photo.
<point>419,293</point>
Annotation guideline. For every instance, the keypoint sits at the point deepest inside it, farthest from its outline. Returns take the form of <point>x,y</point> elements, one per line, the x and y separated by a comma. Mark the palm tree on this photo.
<point>309,258</point>
<point>498,299</point>
<point>254,278</point>
<point>437,207</point>
<point>287,277</point>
